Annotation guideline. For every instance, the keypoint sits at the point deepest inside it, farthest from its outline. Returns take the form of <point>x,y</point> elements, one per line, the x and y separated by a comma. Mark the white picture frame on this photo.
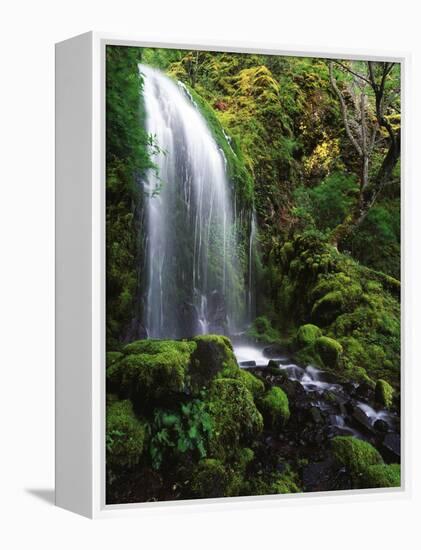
<point>80,278</point>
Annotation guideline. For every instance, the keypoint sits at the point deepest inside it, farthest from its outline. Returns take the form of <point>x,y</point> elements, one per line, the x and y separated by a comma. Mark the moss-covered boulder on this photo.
<point>213,354</point>
<point>329,351</point>
<point>275,408</point>
<point>356,455</point>
<point>252,383</point>
<point>126,435</point>
<point>383,393</point>
<point>209,479</point>
<point>150,369</point>
<point>274,483</point>
<point>307,335</point>
<point>327,308</point>
<point>235,417</point>
<point>382,475</point>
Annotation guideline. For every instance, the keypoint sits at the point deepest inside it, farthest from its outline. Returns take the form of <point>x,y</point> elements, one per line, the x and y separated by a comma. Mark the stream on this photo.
<point>322,406</point>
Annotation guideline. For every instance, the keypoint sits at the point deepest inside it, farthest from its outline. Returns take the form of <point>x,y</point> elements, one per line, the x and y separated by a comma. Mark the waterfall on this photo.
<point>194,283</point>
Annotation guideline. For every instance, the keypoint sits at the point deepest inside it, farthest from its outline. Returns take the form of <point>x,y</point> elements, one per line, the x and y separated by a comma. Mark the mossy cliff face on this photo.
<point>356,310</point>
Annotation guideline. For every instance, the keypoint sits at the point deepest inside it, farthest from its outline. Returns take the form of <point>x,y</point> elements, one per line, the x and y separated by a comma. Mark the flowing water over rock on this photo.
<point>319,400</point>
<point>194,285</point>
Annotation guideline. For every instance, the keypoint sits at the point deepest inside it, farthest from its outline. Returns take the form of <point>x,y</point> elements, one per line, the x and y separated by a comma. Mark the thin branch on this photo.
<point>358,75</point>
<point>344,110</point>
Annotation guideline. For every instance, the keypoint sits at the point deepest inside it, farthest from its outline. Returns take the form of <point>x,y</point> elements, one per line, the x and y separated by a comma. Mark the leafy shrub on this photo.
<point>182,431</point>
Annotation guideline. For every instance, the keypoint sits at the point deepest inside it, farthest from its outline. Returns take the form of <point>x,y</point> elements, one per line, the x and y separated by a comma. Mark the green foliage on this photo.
<point>128,156</point>
<point>262,331</point>
<point>275,408</point>
<point>356,455</point>
<point>381,476</point>
<point>126,435</point>
<point>184,431</point>
<point>306,335</point>
<point>356,306</point>
<point>384,393</point>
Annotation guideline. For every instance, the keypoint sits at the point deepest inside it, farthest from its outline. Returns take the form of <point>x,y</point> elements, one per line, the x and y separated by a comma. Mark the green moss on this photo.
<point>355,455</point>
<point>112,357</point>
<point>213,355</point>
<point>307,335</point>
<point>151,369</point>
<point>252,383</point>
<point>153,347</point>
<point>235,418</point>
<point>209,479</point>
<point>261,330</point>
<point>382,475</point>
<point>327,308</point>
<point>126,435</point>
<point>275,408</point>
<point>273,484</point>
<point>384,393</point>
<point>329,350</point>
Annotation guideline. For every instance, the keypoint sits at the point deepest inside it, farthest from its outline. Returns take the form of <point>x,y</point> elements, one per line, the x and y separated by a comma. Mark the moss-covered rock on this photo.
<point>356,455</point>
<point>151,369</point>
<point>235,418</point>
<point>213,354</point>
<point>252,383</point>
<point>307,335</point>
<point>382,475</point>
<point>329,351</point>
<point>273,484</point>
<point>126,435</point>
<point>261,330</point>
<point>327,308</point>
<point>275,408</point>
<point>383,393</point>
<point>209,479</point>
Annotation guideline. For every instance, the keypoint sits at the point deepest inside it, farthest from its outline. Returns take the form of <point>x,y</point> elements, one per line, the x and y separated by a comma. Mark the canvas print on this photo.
<point>252,274</point>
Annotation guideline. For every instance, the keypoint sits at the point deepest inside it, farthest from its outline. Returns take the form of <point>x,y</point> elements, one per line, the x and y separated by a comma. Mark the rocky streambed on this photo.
<point>321,408</point>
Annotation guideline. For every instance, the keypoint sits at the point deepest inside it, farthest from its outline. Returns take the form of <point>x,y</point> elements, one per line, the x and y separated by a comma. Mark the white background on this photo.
<point>29,30</point>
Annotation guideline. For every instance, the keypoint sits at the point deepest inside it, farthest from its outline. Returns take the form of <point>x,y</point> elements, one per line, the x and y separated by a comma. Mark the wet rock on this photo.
<point>247,363</point>
<point>392,446</point>
<point>292,388</point>
<point>273,350</point>
<point>364,391</point>
<point>359,416</point>
<point>316,415</point>
<point>381,426</point>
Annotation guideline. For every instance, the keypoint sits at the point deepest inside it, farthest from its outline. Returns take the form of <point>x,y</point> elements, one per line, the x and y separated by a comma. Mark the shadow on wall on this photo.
<point>47,495</point>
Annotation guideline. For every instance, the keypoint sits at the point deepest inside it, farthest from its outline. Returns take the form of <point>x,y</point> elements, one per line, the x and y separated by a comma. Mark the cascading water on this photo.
<point>194,283</point>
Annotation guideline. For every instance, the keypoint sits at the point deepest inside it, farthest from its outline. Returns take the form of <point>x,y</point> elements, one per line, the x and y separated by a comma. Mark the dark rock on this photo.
<point>273,350</point>
<point>392,446</point>
<point>247,363</point>
<point>381,426</point>
<point>316,415</point>
<point>359,416</point>
<point>364,391</point>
